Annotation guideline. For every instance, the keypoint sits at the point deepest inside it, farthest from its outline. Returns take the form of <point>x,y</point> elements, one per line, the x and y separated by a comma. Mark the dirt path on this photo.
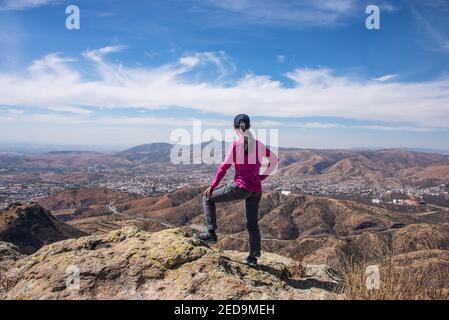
<point>111,208</point>
<point>440,209</point>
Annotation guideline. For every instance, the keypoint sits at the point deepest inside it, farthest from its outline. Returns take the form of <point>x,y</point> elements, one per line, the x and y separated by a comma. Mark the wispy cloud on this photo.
<point>282,12</point>
<point>219,59</point>
<point>77,119</point>
<point>388,7</point>
<point>325,125</point>
<point>298,13</point>
<point>386,77</point>
<point>54,82</point>
<point>23,4</point>
<point>435,32</point>
<point>11,115</point>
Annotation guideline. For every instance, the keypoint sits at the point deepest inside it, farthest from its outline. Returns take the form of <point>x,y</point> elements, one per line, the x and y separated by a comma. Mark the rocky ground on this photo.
<point>133,264</point>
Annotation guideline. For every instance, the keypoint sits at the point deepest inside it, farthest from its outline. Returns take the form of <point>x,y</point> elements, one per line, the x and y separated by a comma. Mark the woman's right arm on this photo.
<point>224,166</point>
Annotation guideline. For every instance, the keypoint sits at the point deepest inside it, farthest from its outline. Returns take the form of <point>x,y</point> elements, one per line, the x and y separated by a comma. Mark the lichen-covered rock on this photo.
<point>8,252</point>
<point>134,264</point>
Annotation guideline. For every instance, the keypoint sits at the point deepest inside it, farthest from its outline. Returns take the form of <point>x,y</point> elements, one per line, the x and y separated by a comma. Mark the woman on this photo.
<point>246,154</point>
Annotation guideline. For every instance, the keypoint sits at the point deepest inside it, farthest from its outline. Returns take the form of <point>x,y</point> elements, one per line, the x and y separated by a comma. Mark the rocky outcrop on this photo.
<point>29,227</point>
<point>8,251</point>
<point>134,264</point>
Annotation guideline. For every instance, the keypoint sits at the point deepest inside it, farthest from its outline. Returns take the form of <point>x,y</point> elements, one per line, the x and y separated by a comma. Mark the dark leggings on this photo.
<point>232,192</point>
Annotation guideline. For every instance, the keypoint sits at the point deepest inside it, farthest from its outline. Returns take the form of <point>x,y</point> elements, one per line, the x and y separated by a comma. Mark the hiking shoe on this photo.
<point>251,261</point>
<point>207,237</point>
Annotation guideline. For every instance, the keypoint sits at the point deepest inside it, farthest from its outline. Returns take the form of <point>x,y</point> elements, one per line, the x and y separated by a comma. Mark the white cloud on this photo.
<point>436,36</point>
<point>189,61</point>
<point>317,125</point>
<point>386,77</point>
<point>98,54</point>
<point>20,116</point>
<point>313,77</point>
<point>23,4</point>
<point>285,12</point>
<point>321,125</point>
<point>388,7</point>
<point>219,59</point>
<point>53,82</point>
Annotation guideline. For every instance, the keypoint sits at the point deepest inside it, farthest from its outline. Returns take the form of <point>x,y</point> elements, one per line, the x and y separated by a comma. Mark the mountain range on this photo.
<point>389,167</point>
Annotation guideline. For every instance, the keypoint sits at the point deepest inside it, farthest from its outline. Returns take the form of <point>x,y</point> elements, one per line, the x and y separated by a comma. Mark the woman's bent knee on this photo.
<point>207,199</point>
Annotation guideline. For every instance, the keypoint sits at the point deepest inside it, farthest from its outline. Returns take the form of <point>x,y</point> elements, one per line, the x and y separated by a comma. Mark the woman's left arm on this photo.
<point>273,162</point>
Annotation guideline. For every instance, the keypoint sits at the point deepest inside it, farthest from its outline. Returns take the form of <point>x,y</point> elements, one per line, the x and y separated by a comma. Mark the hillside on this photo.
<point>133,264</point>
<point>29,227</point>
<point>142,245</point>
<point>83,202</point>
<point>387,168</point>
<point>148,153</point>
<point>306,228</point>
<point>381,167</point>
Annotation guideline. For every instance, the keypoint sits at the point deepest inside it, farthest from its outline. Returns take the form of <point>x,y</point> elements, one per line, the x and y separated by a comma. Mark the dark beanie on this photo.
<point>239,118</point>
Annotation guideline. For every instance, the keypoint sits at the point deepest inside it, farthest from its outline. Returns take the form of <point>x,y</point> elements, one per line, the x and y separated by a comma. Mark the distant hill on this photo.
<point>159,153</point>
<point>73,152</point>
<point>428,150</point>
<point>394,166</point>
<point>148,153</point>
<point>412,149</point>
<point>149,148</point>
<point>379,168</point>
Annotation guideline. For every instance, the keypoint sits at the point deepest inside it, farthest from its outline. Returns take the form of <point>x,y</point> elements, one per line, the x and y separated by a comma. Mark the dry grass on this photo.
<point>397,282</point>
<point>5,283</point>
<point>297,270</point>
<point>3,280</point>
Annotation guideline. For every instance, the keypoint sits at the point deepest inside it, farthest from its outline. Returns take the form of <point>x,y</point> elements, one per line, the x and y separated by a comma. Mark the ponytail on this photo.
<point>247,136</point>
<point>242,127</point>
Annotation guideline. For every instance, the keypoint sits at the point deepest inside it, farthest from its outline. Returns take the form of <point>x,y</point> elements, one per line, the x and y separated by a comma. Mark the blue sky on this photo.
<point>137,70</point>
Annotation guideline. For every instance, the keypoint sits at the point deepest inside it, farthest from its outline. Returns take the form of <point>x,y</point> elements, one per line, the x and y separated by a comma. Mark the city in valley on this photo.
<point>419,184</point>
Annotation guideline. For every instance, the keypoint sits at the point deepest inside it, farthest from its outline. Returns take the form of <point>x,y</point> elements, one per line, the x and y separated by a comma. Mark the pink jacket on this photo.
<point>247,167</point>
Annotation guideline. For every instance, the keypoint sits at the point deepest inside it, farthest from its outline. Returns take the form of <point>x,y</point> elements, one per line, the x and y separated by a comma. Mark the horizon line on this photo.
<point>24,147</point>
